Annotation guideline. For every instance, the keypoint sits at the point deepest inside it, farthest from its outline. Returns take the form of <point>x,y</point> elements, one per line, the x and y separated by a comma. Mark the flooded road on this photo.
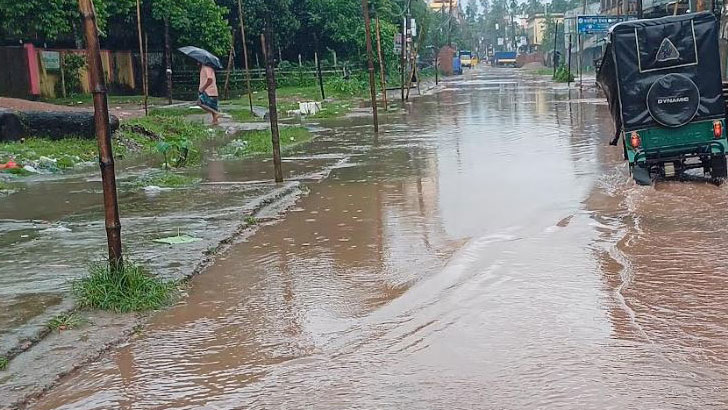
<point>487,250</point>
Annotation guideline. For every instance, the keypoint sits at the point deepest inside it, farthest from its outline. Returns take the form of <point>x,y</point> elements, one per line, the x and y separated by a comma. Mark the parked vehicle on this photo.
<point>504,59</point>
<point>457,67</point>
<point>663,84</point>
<point>466,58</point>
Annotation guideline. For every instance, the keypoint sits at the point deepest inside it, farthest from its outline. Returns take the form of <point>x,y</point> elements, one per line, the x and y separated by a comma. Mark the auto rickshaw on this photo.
<point>663,84</point>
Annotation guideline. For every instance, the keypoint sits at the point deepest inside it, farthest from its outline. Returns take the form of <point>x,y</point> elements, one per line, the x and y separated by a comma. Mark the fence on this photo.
<point>186,82</point>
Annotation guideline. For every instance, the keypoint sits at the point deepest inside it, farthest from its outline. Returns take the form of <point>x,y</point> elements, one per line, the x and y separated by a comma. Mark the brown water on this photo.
<point>487,250</point>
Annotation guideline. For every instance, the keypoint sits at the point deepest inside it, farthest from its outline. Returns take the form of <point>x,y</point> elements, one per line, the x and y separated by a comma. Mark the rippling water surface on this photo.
<point>487,250</point>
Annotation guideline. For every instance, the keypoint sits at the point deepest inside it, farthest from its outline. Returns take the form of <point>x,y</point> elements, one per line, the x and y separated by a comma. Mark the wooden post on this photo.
<point>103,134</point>
<point>270,73</point>
<point>370,61</point>
<point>63,75</point>
<point>437,67</point>
<point>402,61</point>
<point>168,59</point>
<point>231,58</point>
<point>142,56</point>
<point>318,69</point>
<point>241,17</point>
<point>382,73</point>
<point>146,73</point>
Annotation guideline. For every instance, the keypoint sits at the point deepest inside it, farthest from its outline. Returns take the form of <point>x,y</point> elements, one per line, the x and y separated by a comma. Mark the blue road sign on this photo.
<point>599,24</point>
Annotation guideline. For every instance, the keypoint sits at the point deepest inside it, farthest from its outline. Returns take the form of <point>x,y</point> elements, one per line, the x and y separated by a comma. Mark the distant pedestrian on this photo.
<point>208,99</point>
<point>557,58</point>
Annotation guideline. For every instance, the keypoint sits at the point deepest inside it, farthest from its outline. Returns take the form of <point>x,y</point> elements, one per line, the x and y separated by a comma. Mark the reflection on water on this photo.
<point>485,251</point>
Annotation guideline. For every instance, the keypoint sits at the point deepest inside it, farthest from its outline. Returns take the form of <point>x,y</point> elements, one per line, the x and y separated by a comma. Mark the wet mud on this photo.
<point>486,250</point>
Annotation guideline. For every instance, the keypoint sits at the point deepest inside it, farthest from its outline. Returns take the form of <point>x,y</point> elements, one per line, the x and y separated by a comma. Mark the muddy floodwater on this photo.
<point>487,250</point>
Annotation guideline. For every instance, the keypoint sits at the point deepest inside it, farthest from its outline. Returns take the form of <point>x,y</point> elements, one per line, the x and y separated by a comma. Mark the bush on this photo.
<point>128,288</point>
<point>72,65</point>
<point>563,75</point>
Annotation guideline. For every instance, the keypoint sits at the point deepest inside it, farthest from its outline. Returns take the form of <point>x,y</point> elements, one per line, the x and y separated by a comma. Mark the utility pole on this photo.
<point>168,59</point>
<point>103,134</point>
<point>241,17</point>
<point>382,74</point>
<point>370,61</point>
<point>143,58</point>
<point>266,41</point>
<point>556,36</point>
<point>449,27</point>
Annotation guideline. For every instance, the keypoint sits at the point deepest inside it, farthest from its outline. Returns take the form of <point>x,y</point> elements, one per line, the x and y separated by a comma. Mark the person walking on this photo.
<point>208,97</point>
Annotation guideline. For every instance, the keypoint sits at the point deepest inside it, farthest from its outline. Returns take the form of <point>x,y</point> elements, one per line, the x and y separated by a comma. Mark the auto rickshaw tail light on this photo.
<point>718,129</point>
<point>635,140</point>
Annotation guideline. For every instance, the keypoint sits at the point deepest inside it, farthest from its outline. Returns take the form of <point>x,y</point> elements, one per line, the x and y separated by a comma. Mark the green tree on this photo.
<point>49,20</point>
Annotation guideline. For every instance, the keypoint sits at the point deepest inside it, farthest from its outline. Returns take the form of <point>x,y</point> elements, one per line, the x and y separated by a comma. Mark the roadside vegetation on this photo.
<point>563,75</point>
<point>259,142</point>
<point>66,321</point>
<point>129,288</point>
<point>3,363</point>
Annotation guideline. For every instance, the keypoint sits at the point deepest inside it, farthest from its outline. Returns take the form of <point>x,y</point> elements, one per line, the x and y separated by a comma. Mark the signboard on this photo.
<point>500,41</point>
<point>599,24</point>
<point>398,43</point>
<point>524,41</point>
<point>51,60</point>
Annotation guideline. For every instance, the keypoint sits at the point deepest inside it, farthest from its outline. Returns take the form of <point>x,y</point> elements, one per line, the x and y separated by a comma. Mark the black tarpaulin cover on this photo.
<point>663,71</point>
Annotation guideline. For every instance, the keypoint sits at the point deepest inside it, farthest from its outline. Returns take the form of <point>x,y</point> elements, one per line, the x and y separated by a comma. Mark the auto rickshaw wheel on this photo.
<point>640,175</point>
<point>718,168</point>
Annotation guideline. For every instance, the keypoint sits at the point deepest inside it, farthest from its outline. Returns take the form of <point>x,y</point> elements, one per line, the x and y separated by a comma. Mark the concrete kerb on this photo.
<point>20,389</point>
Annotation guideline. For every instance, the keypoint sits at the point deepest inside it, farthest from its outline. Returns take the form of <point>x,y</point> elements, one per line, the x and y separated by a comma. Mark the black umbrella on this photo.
<point>202,56</point>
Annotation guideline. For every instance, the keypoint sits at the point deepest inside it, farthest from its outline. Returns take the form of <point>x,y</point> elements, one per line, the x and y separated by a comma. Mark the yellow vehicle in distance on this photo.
<point>466,58</point>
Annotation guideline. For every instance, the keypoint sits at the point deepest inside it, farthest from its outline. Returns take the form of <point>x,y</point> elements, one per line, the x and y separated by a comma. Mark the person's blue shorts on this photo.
<point>209,102</point>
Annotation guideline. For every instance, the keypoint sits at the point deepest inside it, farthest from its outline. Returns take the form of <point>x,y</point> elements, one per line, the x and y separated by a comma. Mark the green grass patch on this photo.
<point>5,186</point>
<point>242,115</point>
<point>251,220</point>
<point>129,288</point>
<point>563,75</point>
<point>334,109</point>
<point>174,112</point>
<point>87,100</point>
<point>147,131</point>
<point>166,179</point>
<point>3,363</point>
<point>259,142</point>
<point>66,322</point>
<point>55,155</point>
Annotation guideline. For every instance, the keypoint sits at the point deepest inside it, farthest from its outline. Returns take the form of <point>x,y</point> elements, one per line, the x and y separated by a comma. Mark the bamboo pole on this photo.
<point>103,134</point>
<point>382,76</point>
<point>142,56</point>
<point>265,40</point>
<point>168,59</point>
<point>231,56</point>
<point>241,17</point>
<point>370,61</point>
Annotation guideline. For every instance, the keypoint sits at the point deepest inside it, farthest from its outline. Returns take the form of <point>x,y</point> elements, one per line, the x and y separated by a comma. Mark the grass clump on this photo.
<point>563,75</point>
<point>3,363</point>
<point>259,141</point>
<point>128,288</point>
<point>166,179</point>
<point>251,220</point>
<point>65,322</point>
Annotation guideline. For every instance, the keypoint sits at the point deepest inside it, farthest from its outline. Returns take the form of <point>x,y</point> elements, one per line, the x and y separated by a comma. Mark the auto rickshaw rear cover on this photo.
<point>663,72</point>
